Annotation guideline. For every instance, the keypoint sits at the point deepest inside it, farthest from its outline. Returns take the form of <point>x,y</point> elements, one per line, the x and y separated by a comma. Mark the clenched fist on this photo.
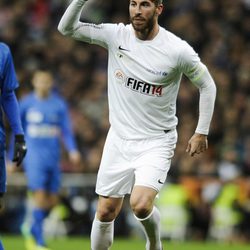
<point>20,149</point>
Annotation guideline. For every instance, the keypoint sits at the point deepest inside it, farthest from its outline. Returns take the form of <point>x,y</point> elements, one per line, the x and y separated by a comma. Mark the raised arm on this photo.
<point>70,24</point>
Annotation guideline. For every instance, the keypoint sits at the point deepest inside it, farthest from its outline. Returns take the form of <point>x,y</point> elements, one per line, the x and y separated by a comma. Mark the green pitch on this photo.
<point>72,243</point>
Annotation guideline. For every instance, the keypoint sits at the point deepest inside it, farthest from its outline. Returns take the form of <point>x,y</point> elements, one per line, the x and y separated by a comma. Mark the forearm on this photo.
<point>69,22</point>
<point>67,131</point>
<point>70,25</point>
<point>11,109</point>
<point>207,90</point>
<point>69,142</point>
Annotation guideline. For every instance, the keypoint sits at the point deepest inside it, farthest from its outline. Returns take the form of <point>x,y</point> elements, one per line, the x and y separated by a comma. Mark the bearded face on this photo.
<point>141,23</point>
<point>143,15</point>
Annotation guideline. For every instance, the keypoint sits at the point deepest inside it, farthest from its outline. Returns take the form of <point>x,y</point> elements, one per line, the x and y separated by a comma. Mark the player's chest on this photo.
<point>43,114</point>
<point>144,62</point>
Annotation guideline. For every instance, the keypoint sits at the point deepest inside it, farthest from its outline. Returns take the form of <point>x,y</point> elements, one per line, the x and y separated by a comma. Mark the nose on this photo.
<point>138,10</point>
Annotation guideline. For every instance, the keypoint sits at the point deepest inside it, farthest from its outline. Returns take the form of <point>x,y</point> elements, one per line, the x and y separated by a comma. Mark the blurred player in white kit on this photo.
<point>145,67</point>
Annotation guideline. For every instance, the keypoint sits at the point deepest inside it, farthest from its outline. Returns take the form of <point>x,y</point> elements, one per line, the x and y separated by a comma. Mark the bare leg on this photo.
<point>142,203</point>
<point>102,232</point>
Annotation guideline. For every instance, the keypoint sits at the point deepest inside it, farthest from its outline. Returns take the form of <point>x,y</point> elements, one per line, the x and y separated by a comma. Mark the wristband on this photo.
<point>19,138</point>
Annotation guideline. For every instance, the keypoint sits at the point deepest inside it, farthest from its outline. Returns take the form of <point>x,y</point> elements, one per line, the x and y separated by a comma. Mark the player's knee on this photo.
<point>141,208</point>
<point>106,214</point>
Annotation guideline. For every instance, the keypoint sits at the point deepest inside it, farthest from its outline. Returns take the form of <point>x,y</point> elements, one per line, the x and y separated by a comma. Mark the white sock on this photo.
<point>102,234</point>
<point>151,228</point>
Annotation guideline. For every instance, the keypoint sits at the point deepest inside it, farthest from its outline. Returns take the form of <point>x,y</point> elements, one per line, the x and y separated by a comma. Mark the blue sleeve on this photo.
<point>8,74</point>
<point>11,109</point>
<point>67,133</point>
<point>10,151</point>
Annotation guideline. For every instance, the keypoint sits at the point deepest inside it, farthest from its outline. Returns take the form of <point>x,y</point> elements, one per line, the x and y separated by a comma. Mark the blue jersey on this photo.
<point>8,80</point>
<point>45,123</point>
<point>8,103</point>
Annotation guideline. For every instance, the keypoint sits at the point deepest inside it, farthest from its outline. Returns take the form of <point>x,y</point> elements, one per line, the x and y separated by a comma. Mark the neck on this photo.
<point>148,34</point>
<point>42,95</point>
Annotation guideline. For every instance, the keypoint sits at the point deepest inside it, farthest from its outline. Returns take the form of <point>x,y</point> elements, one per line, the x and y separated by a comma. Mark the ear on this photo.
<point>159,9</point>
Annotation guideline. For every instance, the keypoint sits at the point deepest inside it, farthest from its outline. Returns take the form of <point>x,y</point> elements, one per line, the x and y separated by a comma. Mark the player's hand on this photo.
<point>75,157</point>
<point>20,149</point>
<point>197,144</point>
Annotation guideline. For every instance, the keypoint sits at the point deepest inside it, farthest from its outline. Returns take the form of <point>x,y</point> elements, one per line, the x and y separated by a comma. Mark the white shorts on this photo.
<point>126,163</point>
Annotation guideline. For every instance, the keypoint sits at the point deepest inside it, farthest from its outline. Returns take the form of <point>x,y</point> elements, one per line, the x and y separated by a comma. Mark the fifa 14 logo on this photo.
<point>143,87</point>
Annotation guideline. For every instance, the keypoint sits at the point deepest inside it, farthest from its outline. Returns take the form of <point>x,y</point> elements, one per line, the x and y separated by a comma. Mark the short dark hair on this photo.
<point>157,2</point>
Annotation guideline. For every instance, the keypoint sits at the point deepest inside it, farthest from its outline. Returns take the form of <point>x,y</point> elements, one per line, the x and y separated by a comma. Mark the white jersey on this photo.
<point>143,76</point>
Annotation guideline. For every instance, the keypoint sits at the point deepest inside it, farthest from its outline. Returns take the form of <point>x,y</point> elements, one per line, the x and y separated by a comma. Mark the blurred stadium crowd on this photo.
<point>217,182</point>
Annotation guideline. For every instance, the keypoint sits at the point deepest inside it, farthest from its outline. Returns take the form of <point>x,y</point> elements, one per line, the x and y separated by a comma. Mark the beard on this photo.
<point>144,25</point>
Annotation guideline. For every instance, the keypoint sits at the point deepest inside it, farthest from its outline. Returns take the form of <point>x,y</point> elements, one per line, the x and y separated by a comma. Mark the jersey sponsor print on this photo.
<point>138,85</point>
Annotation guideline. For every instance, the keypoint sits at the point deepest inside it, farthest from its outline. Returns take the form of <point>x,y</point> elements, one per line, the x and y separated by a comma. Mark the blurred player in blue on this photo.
<point>46,121</point>
<point>9,104</point>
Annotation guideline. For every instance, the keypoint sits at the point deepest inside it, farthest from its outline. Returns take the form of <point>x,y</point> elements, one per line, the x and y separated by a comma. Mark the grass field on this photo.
<point>72,243</point>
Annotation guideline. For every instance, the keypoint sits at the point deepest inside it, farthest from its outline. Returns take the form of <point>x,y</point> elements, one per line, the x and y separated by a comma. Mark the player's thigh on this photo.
<point>41,199</point>
<point>152,167</point>
<point>2,169</point>
<point>115,176</point>
<point>108,208</point>
<point>54,180</point>
<point>53,199</point>
<point>2,175</point>
<point>142,198</point>
<point>41,177</point>
<point>36,175</point>
<point>44,199</point>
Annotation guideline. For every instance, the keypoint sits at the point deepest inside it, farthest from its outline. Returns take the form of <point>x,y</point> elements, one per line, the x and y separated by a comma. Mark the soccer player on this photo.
<point>45,120</point>
<point>8,102</point>
<point>145,67</point>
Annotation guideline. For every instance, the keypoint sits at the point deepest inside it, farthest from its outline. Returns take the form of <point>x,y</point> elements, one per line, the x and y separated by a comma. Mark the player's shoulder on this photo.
<point>173,39</point>
<point>4,49</point>
<point>4,46</point>
<point>124,26</point>
<point>118,27</point>
<point>174,46</point>
<point>27,100</point>
<point>28,97</point>
<point>58,99</point>
<point>110,26</point>
<point>57,96</point>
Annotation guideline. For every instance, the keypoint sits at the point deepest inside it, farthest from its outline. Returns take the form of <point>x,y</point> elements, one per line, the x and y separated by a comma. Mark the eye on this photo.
<point>133,4</point>
<point>145,4</point>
